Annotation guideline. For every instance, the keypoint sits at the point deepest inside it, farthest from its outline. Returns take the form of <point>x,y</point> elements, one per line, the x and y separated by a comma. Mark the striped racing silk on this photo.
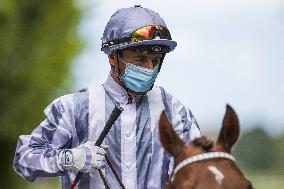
<point>134,145</point>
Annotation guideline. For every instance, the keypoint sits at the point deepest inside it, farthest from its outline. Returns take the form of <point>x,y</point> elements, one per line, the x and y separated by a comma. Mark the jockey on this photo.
<point>136,40</point>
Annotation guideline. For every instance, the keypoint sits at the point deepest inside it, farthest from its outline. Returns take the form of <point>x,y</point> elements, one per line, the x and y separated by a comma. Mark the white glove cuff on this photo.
<point>78,159</point>
<point>82,158</point>
<point>66,159</point>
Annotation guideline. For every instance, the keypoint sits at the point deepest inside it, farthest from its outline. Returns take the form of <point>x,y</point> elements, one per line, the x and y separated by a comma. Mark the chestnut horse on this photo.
<point>204,164</point>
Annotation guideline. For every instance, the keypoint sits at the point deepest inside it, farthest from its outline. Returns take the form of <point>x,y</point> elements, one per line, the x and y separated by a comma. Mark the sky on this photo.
<point>229,51</point>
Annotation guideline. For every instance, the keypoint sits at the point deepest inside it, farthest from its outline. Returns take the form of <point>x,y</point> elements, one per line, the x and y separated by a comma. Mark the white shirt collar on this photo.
<point>116,91</point>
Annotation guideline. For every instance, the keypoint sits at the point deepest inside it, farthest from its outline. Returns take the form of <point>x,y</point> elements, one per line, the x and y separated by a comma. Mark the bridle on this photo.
<point>200,157</point>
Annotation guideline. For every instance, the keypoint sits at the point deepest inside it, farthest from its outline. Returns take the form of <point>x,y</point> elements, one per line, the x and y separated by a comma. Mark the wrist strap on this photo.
<point>66,159</point>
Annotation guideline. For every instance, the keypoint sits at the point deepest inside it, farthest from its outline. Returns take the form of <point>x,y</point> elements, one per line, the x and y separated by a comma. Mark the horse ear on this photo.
<point>168,137</point>
<point>230,131</point>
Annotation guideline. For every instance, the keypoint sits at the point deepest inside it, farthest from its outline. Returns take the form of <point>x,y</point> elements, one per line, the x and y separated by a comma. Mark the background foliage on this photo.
<point>261,157</point>
<point>38,40</point>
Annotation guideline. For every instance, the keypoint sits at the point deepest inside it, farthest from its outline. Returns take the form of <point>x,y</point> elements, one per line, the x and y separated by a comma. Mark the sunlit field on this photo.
<point>266,181</point>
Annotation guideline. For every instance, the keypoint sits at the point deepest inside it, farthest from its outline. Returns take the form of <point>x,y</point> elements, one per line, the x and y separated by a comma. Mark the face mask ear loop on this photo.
<point>162,59</point>
<point>160,66</point>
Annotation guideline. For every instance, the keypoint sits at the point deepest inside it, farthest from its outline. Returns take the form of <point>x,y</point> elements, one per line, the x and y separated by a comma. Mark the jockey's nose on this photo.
<point>149,64</point>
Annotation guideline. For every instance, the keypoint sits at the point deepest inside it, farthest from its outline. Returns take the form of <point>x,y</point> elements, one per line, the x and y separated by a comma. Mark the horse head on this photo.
<point>204,164</point>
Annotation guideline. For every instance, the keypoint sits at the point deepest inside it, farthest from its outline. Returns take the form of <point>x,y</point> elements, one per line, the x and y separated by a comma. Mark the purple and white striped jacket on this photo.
<point>133,141</point>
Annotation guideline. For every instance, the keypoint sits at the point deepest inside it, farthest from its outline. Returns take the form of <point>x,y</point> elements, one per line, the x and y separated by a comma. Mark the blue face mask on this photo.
<point>137,78</point>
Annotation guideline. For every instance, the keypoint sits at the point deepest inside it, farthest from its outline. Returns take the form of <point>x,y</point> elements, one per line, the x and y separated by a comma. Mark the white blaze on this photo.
<point>217,173</point>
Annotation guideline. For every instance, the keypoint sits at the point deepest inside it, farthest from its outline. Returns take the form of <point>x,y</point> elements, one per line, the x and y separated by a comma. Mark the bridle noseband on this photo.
<point>201,157</point>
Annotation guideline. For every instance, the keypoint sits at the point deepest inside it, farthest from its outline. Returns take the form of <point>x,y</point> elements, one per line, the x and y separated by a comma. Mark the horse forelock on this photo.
<point>204,143</point>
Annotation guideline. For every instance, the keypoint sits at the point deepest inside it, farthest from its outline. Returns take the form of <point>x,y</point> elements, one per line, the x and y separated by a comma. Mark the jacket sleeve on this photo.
<point>185,124</point>
<point>180,117</point>
<point>36,155</point>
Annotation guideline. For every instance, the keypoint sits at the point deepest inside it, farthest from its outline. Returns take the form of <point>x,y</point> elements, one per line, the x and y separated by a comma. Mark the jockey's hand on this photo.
<point>85,157</point>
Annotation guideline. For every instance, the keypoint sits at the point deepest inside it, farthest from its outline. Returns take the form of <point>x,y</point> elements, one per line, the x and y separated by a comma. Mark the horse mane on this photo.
<point>203,142</point>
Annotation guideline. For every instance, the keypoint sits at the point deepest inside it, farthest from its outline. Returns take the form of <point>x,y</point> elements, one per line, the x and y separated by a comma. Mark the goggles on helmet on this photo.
<point>149,32</point>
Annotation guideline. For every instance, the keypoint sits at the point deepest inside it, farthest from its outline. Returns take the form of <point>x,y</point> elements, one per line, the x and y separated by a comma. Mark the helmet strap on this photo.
<point>117,60</point>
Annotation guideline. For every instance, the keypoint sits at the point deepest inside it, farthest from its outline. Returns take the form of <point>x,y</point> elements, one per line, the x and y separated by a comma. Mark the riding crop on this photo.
<point>113,117</point>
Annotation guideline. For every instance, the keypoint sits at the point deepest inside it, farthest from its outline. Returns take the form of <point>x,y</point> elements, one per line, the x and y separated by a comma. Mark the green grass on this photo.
<point>50,183</point>
<point>266,180</point>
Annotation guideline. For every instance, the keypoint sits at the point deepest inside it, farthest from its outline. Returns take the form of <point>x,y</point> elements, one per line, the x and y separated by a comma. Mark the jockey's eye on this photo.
<point>139,59</point>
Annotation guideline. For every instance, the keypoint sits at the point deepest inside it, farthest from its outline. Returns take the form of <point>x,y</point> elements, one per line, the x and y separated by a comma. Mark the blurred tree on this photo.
<point>38,42</point>
<point>279,143</point>
<point>256,150</point>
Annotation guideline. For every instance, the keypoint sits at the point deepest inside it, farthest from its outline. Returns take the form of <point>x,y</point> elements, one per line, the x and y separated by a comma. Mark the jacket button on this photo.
<point>127,133</point>
<point>128,165</point>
